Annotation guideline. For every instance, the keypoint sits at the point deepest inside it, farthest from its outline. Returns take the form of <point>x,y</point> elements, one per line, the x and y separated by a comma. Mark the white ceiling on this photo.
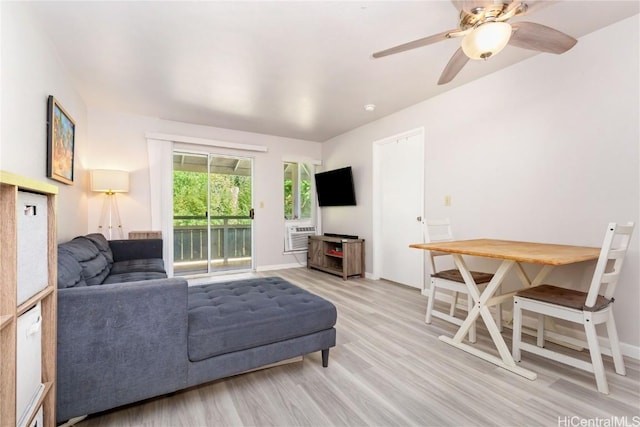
<point>298,69</point>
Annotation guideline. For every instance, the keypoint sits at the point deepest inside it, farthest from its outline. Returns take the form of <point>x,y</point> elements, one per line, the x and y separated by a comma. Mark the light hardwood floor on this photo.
<point>389,368</point>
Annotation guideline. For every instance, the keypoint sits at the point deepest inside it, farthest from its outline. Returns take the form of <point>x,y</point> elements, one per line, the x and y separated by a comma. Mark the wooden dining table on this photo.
<point>511,254</point>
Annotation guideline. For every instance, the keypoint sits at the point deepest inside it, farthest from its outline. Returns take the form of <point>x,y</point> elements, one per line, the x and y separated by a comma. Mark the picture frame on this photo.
<point>61,132</point>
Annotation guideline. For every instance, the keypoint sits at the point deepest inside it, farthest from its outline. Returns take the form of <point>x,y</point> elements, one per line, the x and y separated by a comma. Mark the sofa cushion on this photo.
<point>102,244</point>
<point>95,267</point>
<point>134,276</point>
<point>69,271</point>
<point>236,315</point>
<point>138,265</point>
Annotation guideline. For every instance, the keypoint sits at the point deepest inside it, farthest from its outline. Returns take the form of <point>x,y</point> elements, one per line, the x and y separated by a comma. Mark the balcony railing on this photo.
<point>230,243</point>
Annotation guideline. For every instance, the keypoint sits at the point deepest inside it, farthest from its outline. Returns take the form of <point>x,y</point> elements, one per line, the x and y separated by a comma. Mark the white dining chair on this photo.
<point>587,308</point>
<point>449,279</point>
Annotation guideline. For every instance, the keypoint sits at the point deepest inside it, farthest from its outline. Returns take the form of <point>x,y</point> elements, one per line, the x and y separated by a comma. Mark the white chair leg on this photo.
<point>517,330</point>
<point>614,343</point>
<point>596,356</point>
<point>540,331</point>
<point>430,303</point>
<point>452,309</point>
<point>472,330</point>
<point>499,312</point>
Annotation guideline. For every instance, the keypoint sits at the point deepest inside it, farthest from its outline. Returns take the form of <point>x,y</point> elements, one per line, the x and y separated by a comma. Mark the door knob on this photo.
<point>419,218</point>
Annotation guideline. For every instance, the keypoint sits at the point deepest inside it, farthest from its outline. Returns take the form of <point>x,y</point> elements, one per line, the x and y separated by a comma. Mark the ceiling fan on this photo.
<point>485,31</point>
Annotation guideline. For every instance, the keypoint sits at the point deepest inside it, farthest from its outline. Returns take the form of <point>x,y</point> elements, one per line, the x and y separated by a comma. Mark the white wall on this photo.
<point>546,150</point>
<point>117,141</point>
<point>31,71</point>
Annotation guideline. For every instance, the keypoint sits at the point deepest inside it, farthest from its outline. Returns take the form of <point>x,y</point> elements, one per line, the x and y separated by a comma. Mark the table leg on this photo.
<point>524,279</point>
<point>481,309</point>
<point>479,300</point>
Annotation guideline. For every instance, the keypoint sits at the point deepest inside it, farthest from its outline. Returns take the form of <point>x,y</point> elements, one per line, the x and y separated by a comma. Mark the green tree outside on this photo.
<point>305,195</point>
<point>230,196</point>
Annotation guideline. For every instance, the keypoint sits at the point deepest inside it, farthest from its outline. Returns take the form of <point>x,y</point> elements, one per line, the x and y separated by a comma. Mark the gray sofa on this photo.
<point>126,332</point>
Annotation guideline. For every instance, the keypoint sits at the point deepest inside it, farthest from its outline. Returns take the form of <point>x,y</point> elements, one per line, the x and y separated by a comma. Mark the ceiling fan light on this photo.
<point>486,40</point>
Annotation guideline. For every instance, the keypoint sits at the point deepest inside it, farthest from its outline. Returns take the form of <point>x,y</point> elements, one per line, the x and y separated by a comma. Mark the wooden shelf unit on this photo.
<point>335,255</point>
<point>10,310</point>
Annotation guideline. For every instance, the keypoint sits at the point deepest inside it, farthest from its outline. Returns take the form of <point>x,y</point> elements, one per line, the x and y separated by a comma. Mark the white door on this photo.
<point>400,202</point>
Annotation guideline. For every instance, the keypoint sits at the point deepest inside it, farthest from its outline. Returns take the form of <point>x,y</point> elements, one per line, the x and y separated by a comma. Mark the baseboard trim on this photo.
<point>279,267</point>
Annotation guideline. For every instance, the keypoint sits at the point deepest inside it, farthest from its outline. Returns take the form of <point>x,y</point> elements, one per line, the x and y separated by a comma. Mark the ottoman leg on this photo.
<point>325,358</point>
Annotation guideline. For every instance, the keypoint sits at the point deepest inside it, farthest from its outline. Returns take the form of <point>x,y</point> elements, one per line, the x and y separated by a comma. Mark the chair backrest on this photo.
<point>607,272</point>
<point>438,231</point>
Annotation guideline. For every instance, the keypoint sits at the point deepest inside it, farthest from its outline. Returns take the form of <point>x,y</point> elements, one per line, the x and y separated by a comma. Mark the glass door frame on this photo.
<point>209,156</point>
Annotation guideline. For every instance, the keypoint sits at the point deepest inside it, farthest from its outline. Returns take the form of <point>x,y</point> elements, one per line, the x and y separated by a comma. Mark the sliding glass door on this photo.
<point>212,213</point>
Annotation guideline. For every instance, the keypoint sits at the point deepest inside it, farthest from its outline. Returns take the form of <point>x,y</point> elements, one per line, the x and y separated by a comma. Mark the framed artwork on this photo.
<point>61,132</point>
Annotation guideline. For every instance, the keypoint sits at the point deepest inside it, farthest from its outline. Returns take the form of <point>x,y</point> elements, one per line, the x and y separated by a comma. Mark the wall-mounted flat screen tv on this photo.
<point>335,188</point>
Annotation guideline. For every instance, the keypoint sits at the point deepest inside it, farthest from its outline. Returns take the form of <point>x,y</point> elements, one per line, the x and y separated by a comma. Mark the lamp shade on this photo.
<point>109,181</point>
<point>486,40</point>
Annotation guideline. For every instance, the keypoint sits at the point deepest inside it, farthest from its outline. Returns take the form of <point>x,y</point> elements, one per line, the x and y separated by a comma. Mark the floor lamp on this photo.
<point>110,182</point>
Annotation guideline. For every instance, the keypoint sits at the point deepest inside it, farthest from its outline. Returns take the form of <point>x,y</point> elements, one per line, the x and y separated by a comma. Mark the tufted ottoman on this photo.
<point>232,317</point>
<point>126,341</point>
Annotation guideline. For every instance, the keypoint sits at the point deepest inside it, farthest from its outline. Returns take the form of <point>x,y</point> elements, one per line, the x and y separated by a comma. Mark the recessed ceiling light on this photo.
<point>370,107</point>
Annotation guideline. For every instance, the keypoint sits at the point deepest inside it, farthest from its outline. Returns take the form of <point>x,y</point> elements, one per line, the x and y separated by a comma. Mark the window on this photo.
<point>297,190</point>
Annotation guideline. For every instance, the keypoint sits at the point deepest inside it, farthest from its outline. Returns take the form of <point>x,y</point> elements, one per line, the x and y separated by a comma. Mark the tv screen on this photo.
<point>335,188</point>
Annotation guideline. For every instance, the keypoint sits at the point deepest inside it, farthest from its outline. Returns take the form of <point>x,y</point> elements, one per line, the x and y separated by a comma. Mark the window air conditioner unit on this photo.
<point>297,236</point>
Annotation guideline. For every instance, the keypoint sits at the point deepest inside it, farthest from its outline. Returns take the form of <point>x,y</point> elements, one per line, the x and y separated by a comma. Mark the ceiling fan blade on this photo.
<point>529,35</point>
<point>455,64</point>
<point>414,44</point>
